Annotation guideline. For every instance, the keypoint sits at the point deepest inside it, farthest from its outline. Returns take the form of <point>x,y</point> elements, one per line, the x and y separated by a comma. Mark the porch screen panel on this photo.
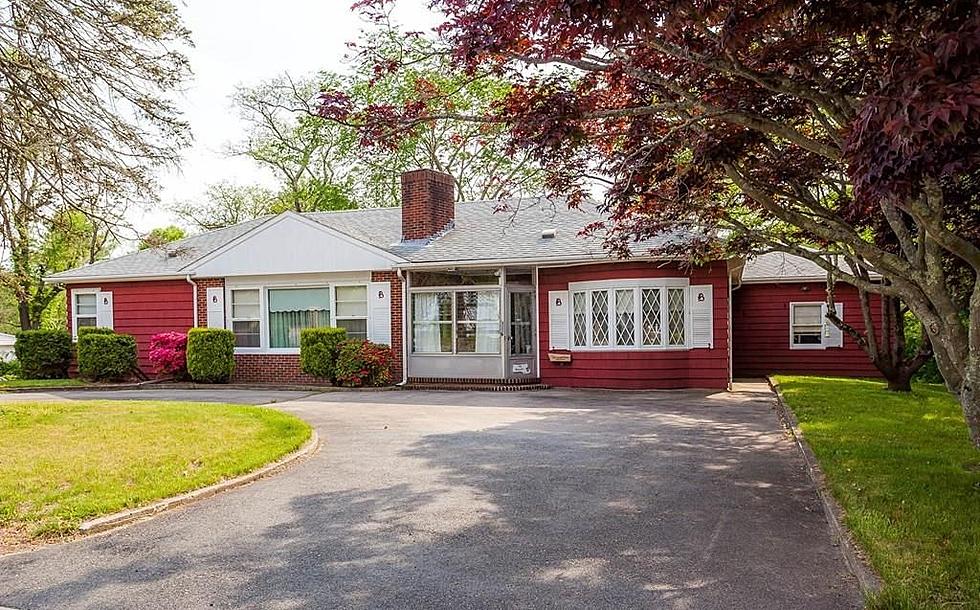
<point>478,322</point>
<point>432,322</point>
<point>293,309</point>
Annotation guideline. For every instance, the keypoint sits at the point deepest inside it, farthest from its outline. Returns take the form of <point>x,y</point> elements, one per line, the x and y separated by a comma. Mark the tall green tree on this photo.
<point>161,236</point>
<point>326,165</point>
<point>67,240</point>
<point>85,118</point>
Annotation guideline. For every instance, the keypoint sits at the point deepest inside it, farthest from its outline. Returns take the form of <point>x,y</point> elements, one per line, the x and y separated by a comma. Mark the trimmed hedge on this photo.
<point>361,362</point>
<point>106,357</point>
<point>210,354</point>
<point>318,350</point>
<point>43,354</point>
<point>94,330</point>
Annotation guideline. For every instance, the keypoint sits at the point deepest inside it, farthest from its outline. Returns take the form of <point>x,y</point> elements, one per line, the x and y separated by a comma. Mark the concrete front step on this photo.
<point>473,387</point>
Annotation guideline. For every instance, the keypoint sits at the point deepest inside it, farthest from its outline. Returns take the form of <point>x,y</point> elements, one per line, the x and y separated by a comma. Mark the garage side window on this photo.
<point>245,317</point>
<point>806,324</point>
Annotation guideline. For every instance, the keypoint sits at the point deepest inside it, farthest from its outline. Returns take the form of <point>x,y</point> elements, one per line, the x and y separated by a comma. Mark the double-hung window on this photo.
<point>352,310</point>
<point>245,317</point>
<point>809,327</point>
<point>456,321</point>
<point>85,309</point>
<point>630,316</point>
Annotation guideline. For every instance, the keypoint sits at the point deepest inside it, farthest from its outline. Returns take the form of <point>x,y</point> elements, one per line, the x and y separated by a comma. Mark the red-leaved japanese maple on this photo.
<point>812,127</point>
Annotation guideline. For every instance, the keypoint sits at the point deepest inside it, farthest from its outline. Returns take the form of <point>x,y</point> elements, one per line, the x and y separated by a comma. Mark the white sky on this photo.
<point>246,42</point>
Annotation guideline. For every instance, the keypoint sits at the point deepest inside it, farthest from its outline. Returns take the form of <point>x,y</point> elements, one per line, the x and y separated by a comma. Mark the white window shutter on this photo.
<point>702,316</point>
<point>103,310</point>
<point>216,307</point>
<point>832,336</point>
<point>558,319</point>
<point>379,306</point>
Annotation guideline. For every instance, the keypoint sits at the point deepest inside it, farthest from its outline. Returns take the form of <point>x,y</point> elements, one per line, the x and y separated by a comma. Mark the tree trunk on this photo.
<point>900,381</point>
<point>970,403</point>
<point>24,312</point>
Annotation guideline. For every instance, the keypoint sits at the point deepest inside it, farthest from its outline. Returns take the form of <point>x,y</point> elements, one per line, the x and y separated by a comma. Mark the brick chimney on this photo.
<point>428,203</point>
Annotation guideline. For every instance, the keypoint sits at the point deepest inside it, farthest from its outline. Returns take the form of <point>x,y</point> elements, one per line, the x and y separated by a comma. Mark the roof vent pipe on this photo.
<point>548,233</point>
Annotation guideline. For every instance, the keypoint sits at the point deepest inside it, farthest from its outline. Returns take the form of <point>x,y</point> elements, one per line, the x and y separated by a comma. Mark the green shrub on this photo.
<point>318,350</point>
<point>43,354</point>
<point>10,369</point>
<point>106,357</point>
<point>94,330</point>
<point>362,363</point>
<point>210,354</point>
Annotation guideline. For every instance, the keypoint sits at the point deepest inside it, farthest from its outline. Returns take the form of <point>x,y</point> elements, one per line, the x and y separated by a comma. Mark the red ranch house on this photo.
<point>487,291</point>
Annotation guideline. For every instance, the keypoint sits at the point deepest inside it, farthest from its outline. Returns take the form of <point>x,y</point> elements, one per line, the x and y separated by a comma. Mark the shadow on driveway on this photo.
<point>553,499</point>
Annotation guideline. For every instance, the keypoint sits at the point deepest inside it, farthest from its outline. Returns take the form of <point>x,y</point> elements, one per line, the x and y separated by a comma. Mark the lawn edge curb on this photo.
<point>125,517</point>
<point>868,579</point>
<point>167,385</point>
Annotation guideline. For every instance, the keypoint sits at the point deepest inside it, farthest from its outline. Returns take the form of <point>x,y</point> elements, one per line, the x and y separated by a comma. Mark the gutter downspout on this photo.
<point>401,278</point>
<point>194,284</point>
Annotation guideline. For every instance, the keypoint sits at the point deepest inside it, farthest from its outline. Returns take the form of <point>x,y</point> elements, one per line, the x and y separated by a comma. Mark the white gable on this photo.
<point>290,243</point>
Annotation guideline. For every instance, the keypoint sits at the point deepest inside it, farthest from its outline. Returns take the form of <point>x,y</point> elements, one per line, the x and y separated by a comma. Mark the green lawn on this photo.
<point>62,463</point>
<point>908,478</point>
<point>40,383</point>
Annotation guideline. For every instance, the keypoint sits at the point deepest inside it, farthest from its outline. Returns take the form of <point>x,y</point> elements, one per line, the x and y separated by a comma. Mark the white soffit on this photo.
<point>292,244</point>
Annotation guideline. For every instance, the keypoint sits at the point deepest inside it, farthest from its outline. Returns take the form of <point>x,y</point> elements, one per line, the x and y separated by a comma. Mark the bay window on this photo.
<point>629,314</point>
<point>456,321</point>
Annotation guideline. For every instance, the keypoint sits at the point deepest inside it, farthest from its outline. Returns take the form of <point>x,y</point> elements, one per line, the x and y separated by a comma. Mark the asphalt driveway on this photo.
<point>444,499</point>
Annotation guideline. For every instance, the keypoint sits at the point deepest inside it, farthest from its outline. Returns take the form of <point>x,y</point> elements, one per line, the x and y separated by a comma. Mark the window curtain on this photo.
<point>488,326</point>
<point>425,318</point>
<point>292,310</point>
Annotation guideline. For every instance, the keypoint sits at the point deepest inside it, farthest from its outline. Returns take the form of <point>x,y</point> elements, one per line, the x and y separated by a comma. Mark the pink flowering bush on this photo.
<point>361,363</point>
<point>168,353</point>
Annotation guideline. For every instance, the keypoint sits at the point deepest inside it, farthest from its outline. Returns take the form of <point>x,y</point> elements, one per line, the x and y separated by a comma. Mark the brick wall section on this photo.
<point>396,318</point>
<point>270,368</point>
<point>202,297</point>
<point>428,203</point>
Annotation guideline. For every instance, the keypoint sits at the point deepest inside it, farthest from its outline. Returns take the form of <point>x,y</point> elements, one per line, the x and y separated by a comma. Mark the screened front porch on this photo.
<point>472,324</point>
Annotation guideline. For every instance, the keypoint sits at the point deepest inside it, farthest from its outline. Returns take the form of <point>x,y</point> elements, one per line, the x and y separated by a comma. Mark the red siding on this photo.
<point>143,309</point>
<point>760,327</point>
<point>697,368</point>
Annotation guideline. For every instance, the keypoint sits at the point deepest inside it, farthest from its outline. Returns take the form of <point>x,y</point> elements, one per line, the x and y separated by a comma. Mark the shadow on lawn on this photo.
<point>620,507</point>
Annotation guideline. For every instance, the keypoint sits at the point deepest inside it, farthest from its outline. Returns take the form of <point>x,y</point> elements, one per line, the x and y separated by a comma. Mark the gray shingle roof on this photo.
<point>483,231</point>
<point>169,260</point>
<point>780,266</point>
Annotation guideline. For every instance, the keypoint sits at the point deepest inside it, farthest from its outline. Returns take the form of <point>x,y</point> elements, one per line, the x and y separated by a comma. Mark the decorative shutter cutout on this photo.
<point>702,316</point>
<point>379,305</point>
<point>103,310</point>
<point>558,319</point>
<point>832,336</point>
<point>216,307</point>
